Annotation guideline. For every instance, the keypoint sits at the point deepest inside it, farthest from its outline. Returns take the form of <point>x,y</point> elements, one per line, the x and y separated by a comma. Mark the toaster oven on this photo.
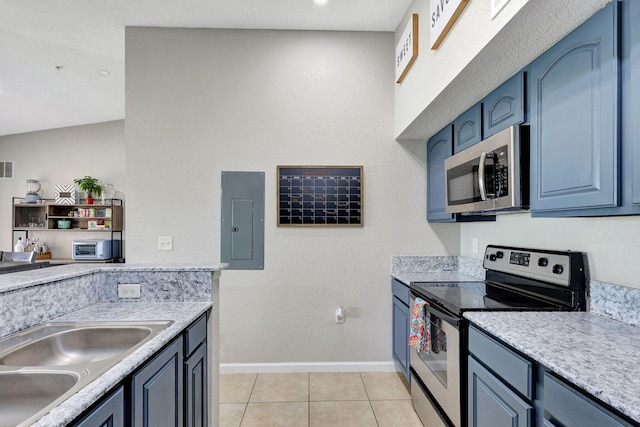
<point>95,249</point>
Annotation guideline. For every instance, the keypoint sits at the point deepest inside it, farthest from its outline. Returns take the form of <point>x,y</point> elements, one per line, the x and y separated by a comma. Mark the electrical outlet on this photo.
<point>129,290</point>
<point>165,243</point>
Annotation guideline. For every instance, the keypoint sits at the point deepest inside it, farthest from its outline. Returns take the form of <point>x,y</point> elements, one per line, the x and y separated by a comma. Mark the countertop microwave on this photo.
<point>490,176</point>
<point>95,249</point>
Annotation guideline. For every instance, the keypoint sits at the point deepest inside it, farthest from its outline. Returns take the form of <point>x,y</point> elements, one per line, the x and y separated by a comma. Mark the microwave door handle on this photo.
<point>481,183</point>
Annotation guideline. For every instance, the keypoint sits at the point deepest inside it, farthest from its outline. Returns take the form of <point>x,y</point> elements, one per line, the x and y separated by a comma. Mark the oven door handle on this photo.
<point>452,320</point>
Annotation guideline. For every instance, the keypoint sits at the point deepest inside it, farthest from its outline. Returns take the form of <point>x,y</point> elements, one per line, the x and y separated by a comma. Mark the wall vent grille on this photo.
<point>6,170</point>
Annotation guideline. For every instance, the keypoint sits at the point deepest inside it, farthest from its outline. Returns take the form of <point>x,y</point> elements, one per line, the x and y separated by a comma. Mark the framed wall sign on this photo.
<point>443,15</point>
<point>320,196</point>
<point>407,48</point>
<point>65,194</point>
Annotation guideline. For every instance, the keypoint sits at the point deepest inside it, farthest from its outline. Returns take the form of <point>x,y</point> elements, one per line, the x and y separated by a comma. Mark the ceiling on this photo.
<point>53,52</point>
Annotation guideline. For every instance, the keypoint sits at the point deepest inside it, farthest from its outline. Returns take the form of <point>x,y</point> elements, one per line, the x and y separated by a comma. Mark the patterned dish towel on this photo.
<point>420,333</point>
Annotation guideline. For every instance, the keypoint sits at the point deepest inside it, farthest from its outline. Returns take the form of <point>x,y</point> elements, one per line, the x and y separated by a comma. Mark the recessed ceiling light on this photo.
<point>104,72</point>
<point>320,2</point>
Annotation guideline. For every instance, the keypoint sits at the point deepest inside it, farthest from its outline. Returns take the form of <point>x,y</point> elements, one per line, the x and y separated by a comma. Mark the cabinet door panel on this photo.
<point>504,106</point>
<point>493,404</point>
<point>157,390</point>
<point>467,129</point>
<point>574,118</point>
<point>401,335</point>
<point>439,147</point>
<point>633,13</point>
<point>110,413</point>
<point>196,387</point>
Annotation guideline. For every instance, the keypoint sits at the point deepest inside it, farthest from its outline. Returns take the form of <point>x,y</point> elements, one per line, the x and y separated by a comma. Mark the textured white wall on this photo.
<point>202,101</point>
<point>58,156</point>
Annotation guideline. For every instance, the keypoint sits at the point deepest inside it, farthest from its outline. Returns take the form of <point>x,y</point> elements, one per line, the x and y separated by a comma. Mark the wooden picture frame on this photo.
<point>327,196</point>
<point>407,48</point>
<point>442,17</point>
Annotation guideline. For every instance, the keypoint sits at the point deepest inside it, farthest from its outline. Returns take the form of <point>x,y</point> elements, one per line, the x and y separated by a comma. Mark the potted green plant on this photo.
<point>91,185</point>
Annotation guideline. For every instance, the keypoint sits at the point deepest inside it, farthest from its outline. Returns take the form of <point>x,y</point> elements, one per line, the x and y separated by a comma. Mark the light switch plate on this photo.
<point>165,243</point>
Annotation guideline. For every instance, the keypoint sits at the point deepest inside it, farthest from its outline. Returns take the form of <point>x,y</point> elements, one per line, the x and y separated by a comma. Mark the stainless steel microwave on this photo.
<point>95,249</point>
<point>490,176</point>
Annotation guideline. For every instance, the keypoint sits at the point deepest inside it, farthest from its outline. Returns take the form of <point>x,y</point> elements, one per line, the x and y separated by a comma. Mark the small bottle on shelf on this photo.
<point>19,247</point>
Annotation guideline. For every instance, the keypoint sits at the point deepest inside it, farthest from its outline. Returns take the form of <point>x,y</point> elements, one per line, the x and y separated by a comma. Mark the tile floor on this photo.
<point>367,399</point>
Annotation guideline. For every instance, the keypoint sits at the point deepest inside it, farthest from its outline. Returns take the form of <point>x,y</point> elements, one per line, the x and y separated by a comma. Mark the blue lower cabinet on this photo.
<point>108,413</point>
<point>574,117</point>
<point>492,403</point>
<point>564,406</point>
<point>157,390</point>
<point>196,394</point>
<point>401,336</point>
<point>400,326</point>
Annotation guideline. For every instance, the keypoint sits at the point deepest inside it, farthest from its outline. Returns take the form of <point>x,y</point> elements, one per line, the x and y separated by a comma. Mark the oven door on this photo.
<point>439,369</point>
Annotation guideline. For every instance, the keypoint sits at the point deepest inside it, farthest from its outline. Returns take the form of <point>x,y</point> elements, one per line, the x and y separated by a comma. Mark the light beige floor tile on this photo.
<point>395,413</point>
<point>279,414</point>
<point>336,386</point>
<point>384,386</point>
<point>236,388</point>
<point>341,414</point>
<point>281,388</point>
<point>231,414</point>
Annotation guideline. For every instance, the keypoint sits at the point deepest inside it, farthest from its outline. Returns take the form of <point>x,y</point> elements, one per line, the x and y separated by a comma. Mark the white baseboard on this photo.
<point>278,368</point>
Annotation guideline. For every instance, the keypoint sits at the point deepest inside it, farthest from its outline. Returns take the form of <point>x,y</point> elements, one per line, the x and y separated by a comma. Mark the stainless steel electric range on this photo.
<point>516,279</point>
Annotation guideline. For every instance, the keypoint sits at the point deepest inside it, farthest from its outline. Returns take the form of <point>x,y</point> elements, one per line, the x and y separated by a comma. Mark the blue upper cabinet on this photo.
<point>439,147</point>
<point>574,119</point>
<point>467,129</point>
<point>631,101</point>
<point>505,106</point>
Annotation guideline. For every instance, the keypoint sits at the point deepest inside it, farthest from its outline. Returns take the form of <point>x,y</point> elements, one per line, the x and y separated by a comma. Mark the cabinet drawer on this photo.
<point>195,334</point>
<point>570,408</point>
<point>513,368</point>
<point>400,291</point>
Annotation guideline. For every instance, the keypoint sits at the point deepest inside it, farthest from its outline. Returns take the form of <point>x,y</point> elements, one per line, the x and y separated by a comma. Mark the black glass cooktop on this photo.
<point>458,297</point>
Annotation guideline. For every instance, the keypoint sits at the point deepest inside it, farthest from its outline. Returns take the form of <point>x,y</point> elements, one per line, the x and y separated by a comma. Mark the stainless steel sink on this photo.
<point>44,365</point>
<point>23,394</point>
<point>77,346</point>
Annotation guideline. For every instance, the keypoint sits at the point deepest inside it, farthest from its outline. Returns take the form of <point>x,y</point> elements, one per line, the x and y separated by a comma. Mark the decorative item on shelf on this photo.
<point>64,224</point>
<point>91,185</point>
<point>65,194</point>
<point>33,191</point>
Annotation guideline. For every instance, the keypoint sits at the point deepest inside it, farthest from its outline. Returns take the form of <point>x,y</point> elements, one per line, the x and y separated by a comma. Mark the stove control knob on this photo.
<point>499,254</point>
<point>543,262</point>
<point>492,257</point>
<point>557,269</point>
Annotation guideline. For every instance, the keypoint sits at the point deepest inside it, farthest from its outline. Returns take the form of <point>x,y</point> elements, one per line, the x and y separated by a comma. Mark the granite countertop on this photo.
<point>182,315</point>
<point>436,276</point>
<point>597,354</point>
<point>19,280</point>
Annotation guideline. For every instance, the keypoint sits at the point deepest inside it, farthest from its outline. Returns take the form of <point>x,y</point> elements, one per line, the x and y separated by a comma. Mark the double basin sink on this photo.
<point>42,366</point>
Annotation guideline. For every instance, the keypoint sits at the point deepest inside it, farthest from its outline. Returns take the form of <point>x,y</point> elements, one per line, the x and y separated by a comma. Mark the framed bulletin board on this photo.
<point>320,196</point>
